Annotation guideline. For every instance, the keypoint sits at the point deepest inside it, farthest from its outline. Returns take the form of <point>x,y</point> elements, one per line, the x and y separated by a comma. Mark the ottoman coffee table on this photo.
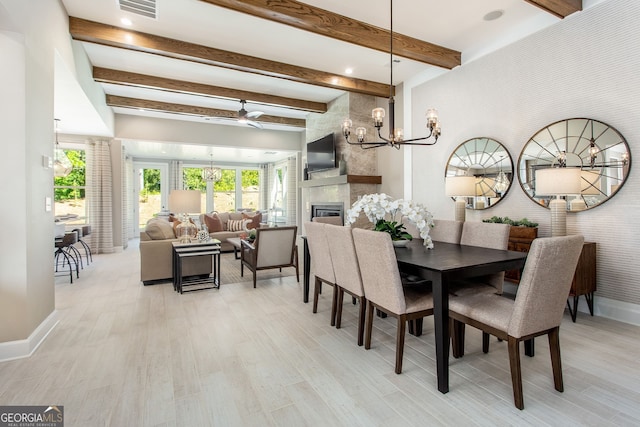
<point>236,243</point>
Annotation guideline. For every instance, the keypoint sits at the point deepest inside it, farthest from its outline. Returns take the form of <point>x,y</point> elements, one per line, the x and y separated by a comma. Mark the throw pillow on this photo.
<point>235,225</point>
<point>213,223</point>
<point>159,230</point>
<point>255,220</point>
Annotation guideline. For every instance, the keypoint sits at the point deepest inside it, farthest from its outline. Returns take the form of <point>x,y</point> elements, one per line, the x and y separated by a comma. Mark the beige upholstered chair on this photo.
<point>486,235</point>
<point>446,230</point>
<point>347,272</point>
<point>334,220</point>
<point>321,265</point>
<point>537,309</point>
<point>273,248</point>
<point>383,287</point>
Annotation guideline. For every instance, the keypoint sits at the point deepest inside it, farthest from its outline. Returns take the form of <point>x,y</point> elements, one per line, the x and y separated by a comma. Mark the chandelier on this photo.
<point>62,166</point>
<point>396,135</point>
<point>211,174</point>
<point>502,182</point>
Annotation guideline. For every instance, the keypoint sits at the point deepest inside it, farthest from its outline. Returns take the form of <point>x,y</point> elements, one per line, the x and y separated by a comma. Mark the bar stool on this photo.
<point>84,231</point>
<point>63,245</point>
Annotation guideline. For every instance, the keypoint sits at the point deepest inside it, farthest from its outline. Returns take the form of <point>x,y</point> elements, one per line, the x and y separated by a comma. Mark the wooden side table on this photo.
<point>184,250</point>
<point>584,281</point>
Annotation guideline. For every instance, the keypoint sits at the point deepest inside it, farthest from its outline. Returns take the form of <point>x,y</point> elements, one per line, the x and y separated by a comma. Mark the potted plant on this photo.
<point>382,211</point>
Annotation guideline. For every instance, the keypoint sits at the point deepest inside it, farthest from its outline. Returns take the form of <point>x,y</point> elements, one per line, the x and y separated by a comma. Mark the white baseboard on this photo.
<point>616,310</point>
<point>25,348</point>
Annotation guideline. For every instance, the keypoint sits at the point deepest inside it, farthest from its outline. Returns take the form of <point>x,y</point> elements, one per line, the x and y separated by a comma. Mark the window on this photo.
<point>224,192</point>
<point>250,189</point>
<point>192,178</point>
<point>69,191</point>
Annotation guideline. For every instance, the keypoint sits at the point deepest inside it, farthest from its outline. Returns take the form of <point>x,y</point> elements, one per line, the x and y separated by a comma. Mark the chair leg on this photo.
<point>368,326</point>
<point>338,309</point>
<point>485,342</point>
<point>401,329</point>
<point>457,329</point>
<point>316,292</point>
<point>361,318</point>
<point>556,364</point>
<point>255,273</point>
<point>334,305</point>
<point>516,371</point>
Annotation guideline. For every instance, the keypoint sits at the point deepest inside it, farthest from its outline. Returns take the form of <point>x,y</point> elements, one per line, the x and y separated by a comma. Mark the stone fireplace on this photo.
<point>329,187</point>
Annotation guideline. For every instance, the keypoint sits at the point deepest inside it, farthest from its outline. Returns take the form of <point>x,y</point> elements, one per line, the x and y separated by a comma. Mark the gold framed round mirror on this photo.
<point>598,149</point>
<point>489,162</point>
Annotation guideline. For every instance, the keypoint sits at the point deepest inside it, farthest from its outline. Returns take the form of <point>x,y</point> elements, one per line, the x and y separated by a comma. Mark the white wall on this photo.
<point>587,65</point>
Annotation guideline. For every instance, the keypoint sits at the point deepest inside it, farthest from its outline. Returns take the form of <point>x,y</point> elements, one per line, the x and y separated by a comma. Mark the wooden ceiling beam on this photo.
<point>192,110</point>
<point>559,8</point>
<point>325,23</point>
<point>125,78</point>
<point>108,35</point>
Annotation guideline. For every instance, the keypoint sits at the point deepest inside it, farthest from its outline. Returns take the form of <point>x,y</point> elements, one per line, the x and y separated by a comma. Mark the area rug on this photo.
<point>230,271</point>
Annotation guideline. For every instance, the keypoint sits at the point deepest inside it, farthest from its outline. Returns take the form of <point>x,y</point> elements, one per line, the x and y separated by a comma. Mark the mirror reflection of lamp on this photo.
<point>558,182</point>
<point>460,187</point>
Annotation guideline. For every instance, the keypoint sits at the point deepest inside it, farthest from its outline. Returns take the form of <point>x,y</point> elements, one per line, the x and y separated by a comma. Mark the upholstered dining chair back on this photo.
<point>275,246</point>
<point>333,220</point>
<point>344,259</point>
<point>379,269</point>
<point>321,265</point>
<point>446,230</point>
<point>487,235</point>
<point>545,284</point>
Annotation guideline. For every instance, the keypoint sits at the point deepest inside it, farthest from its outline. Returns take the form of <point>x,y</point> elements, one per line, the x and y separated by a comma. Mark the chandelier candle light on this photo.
<point>396,135</point>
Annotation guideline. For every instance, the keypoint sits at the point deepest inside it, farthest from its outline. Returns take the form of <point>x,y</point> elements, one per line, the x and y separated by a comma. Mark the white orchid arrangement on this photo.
<point>379,207</point>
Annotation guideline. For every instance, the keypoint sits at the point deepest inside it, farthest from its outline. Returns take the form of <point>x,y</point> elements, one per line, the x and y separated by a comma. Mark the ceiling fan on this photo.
<point>245,117</point>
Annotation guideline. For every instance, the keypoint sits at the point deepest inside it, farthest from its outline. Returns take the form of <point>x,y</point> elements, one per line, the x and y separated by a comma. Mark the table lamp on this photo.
<point>460,187</point>
<point>185,202</point>
<point>589,186</point>
<point>558,182</point>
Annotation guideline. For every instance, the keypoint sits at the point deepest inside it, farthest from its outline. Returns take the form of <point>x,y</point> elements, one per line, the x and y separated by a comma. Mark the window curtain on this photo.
<point>290,185</point>
<point>127,199</point>
<point>99,195</point>
<point>176,181</point>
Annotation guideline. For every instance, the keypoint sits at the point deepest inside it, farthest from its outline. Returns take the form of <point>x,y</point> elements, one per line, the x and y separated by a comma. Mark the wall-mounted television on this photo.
<point>321,154</point>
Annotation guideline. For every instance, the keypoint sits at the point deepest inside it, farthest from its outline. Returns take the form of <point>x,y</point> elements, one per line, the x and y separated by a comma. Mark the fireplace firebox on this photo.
<point>327,209</point>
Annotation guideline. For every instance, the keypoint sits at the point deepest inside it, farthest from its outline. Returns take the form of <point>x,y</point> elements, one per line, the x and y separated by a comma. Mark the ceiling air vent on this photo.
<point>140,7</point>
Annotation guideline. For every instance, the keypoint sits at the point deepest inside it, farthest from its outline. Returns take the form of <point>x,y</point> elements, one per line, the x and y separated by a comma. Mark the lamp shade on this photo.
<point>184,201</point>
<point>460,186</point>
<point>557,181</point>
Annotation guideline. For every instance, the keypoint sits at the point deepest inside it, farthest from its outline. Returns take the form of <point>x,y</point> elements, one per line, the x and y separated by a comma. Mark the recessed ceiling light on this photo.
<point>126,21</point>
<point>493,15</point>
<point>348,71</point>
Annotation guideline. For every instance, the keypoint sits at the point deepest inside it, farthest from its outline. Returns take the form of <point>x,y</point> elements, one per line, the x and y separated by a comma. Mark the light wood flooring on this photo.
<point>128,355</point>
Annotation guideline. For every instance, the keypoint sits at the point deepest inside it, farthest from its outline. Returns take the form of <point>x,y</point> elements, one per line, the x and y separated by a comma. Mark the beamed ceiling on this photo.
<point>198,58</point>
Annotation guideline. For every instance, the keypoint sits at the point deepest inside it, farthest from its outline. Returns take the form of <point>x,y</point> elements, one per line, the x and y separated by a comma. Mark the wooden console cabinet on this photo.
<point>584,280</point>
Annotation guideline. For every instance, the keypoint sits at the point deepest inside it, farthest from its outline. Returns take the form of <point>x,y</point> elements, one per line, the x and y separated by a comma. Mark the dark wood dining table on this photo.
<point>443,264</point>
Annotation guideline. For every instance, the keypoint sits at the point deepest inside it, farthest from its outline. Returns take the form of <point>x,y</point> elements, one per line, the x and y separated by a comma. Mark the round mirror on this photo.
<point>490,163</point>
<point>600,151</point>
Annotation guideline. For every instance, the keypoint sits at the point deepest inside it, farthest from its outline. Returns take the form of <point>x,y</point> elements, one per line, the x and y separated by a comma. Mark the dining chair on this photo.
<point>537,310</point>
<point>486,235</point>
<point>347,273</point>
<point>446,230</point>
<point>383,287</point>
<point>273,248</point>
<point>334,220</point>
<point>321,264</point>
